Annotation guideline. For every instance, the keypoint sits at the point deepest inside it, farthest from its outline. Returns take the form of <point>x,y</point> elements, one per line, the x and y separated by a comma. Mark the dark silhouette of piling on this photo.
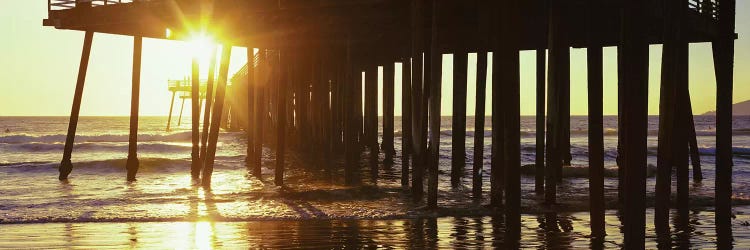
<point>351,149</point>
<point>260,114</point>
<point>182,107</point>
<point>218,109</point>
<point>434,71</point>
<point>283,65</point>
<point>420,61</point>
<point>132,163</point>
<point>389,102</point>
<point>483,26</point>
<point>695,157</point>
<point>594,58</point>
<point>251,88</point>
<point>481,92</point>
<point>66,166</point>
<point>681,147</point>
<point>497,170</point>
<point>558,77</point>
<point>635,119</point>
<point>508,57</point>
<point>371,114</point>
<point>541,97</point>
<point>723,54</point>
<point>195,164</point>
<point>171,107</point>
<point>406,119</point>
<point>670,113</point>
<point>209,103</point>
<point>458,142</point>
<point>621,154</point>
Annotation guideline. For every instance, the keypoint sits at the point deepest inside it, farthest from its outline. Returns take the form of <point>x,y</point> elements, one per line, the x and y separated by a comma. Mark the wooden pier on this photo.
<point>305,84</point>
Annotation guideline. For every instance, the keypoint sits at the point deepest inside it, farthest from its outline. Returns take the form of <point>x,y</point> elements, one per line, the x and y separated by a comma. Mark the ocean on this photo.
<point>97,199</point>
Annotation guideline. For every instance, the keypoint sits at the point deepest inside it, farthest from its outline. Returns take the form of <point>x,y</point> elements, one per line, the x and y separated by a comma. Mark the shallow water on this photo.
<point>547,231</point>
<point>97,198</point>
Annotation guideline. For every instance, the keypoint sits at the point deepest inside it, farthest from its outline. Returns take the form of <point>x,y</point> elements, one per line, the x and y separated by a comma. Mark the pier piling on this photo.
<point>196,164</point>
<point>595,69</point>
<point>435,72</point>
<point>209,102</point>
<point>695,157</point>
<point>406,119</point>
<point>132,162</point>
<point>541,98</point>
<point>635,120</point>
<point>458,142</point>
<point>171,106</point>
<point>723,54</point>
<point>508,58</point>
<point>351,149</point>
<point>282,64</point>
<point>389,102</point>
<point>258,121</point>
<point>558,76</point>
<point>66,166</point>
<point>420,61</point>
<point>250,107</point>
<point>483,26</point>
<point>371,115</point>
<point>479,117</point>
<point>216,118</point>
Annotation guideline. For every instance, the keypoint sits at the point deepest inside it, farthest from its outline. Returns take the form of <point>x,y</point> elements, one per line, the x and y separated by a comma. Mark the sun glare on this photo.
<point>201,46</point>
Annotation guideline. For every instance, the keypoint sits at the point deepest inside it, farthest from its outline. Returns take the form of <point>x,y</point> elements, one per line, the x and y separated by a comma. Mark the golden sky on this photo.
<point>39,65</point>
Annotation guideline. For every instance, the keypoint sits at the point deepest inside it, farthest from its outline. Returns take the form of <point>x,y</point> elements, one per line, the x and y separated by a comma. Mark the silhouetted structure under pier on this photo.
<point>315,53</point>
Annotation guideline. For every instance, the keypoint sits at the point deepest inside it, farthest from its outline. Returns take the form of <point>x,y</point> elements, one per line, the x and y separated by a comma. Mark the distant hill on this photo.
<point>742,108</point>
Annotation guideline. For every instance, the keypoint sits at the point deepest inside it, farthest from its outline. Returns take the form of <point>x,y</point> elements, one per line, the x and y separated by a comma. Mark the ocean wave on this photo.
<point>60,138</point>
<point>741,151</point>
<point>96,146</point>
<point>580,132</point>
<point>145,163</point>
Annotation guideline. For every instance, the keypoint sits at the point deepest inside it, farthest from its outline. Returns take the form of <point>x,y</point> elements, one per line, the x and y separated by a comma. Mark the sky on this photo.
<point>39,66</point>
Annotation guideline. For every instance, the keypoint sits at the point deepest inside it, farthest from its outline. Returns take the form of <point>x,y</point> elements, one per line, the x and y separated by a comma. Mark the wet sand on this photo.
<point>546,231</point>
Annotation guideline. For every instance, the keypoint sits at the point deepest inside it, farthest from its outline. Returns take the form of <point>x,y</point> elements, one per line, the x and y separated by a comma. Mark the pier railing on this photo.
<point>243,71</point>
<point>69,4</point>
<point>185,85</point>
<point>708,8</point>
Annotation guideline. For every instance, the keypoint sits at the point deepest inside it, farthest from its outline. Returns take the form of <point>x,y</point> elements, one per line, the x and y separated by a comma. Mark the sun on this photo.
<point>202,46</point>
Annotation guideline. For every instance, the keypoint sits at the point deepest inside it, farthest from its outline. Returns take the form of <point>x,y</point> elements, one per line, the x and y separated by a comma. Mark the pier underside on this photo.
<point>382,24</point>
